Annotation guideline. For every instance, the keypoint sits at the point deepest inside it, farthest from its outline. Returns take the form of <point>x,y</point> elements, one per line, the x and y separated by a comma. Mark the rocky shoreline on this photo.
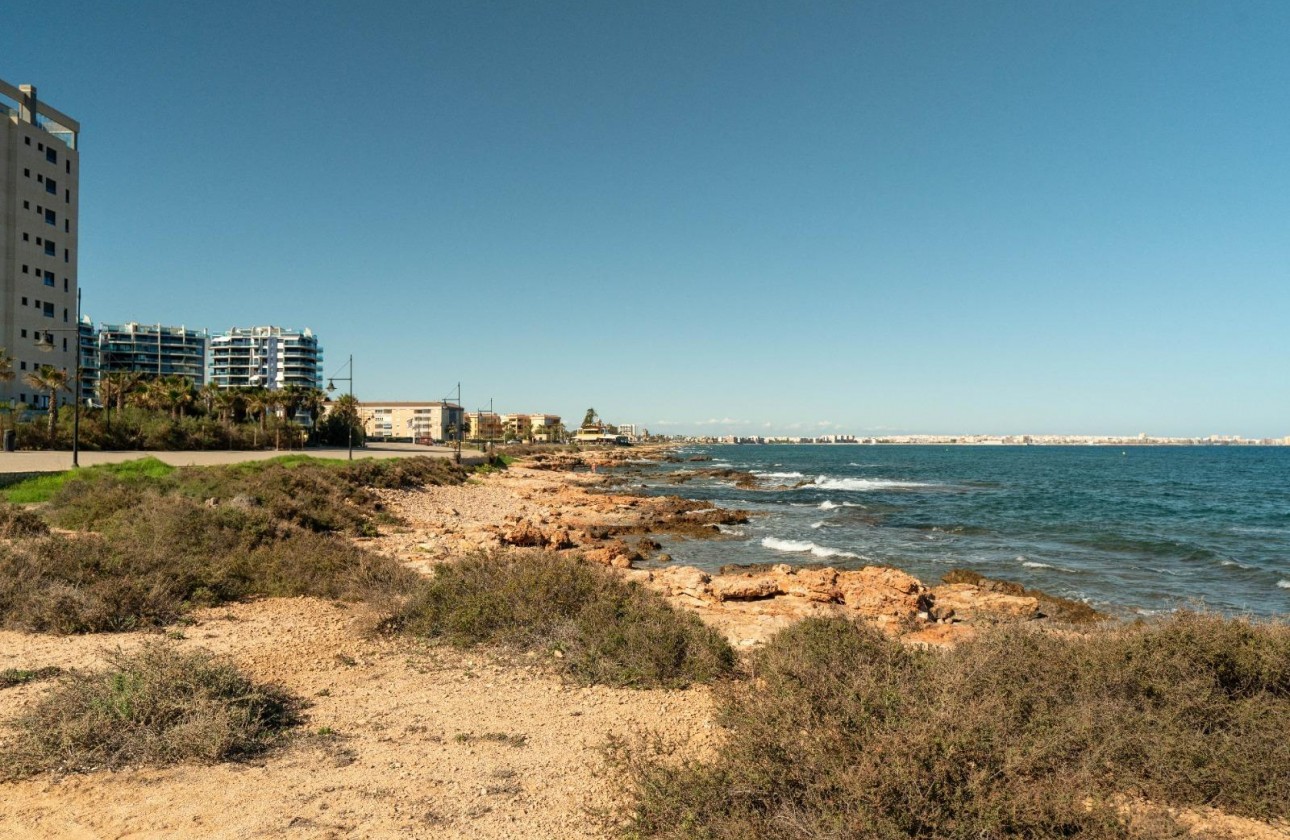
<point>575,502</point>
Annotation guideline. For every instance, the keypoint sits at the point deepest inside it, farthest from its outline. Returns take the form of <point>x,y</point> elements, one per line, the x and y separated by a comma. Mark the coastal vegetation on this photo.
<point>838,731</point>
<point>154,706</point>
<point>139,412</point>
<point>596,626</point>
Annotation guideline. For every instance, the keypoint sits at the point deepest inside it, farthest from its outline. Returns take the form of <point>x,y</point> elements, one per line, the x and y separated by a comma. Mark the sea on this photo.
<point>1132,531</point>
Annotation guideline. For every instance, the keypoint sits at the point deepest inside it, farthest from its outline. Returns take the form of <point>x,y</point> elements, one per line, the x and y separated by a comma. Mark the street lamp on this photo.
<point>331,386</point>
<point>45,344</point>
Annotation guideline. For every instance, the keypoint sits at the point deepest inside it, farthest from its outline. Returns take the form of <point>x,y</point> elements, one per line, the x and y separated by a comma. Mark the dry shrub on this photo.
<point>149,564</point>
<point>155,706</point>
<point>17,522</point>
<point>844,733</point>
<point>606,630</point>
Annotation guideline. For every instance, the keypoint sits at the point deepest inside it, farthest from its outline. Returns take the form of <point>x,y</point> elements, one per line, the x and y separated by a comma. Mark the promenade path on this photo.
<point>57,461</point>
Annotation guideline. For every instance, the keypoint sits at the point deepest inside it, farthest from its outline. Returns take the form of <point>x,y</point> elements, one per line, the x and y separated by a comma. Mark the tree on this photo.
<point>591,420</point>
<point>6,366</point>
<point>51,379</point>
<point>116,385</point>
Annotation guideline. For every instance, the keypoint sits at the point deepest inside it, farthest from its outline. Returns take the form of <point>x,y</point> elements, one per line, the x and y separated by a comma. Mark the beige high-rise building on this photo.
<point>39,176</point>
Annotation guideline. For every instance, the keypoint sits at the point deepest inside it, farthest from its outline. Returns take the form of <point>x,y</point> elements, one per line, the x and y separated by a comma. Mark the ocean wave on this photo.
<point>730,530</point>
<point>804,546</point>
<point>827,505</point>
<point>1284,584</point>
<point>819,524</point>
<point>864,485</point>
<point>761,474</point>
<point>1034,564</point>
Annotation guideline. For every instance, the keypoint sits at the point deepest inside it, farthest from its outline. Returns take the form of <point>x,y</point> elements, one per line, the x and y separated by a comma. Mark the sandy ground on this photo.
<point>418,749</point>
<point>25,462</point>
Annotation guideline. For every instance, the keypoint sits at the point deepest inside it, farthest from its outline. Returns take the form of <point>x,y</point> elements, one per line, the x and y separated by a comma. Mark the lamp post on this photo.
<point>456,426</point>
<point>45,344</point>
<point>331,386</point>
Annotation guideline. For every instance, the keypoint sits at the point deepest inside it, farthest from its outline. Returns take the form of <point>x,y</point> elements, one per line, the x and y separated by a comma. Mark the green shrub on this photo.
<point>156,706</point>
<point>844,733</point>
<point>152,561</point>
<point>605,630</point>
<point>11,677</point>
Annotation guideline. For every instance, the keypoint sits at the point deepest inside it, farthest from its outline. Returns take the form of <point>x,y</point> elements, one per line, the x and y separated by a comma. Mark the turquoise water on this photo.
<point>1140,529</point>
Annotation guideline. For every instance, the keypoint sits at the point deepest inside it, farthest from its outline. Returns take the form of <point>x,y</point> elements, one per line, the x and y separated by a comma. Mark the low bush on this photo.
<point>151,562</point>
<point>18,522</point>
<point>1022,733</point>
<point>604,629</point>
<point>155,706</point>
<point>11,677</point>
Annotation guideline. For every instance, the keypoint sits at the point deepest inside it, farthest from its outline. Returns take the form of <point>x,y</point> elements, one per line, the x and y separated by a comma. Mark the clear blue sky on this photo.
<point>958,217</point>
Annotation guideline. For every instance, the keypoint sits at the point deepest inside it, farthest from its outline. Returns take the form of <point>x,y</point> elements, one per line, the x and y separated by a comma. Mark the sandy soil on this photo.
<point>418,749</point>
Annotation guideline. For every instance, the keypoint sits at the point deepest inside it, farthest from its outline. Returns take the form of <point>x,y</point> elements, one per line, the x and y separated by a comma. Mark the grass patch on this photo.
<point>156,706</point>
<point>845,733</point>
<point>599,628</point>
<point>42,488</point>
<point>11,677</point>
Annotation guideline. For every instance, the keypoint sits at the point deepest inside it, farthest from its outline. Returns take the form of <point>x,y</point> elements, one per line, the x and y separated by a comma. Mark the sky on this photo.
<point>715,218</point>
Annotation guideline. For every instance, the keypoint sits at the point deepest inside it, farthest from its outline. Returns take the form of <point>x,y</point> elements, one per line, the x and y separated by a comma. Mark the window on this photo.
<point>67,225</point>
<point>51,218</point>
<point>26,238</point>
<point>51,186</point>
<point>40,147</point>
<point>24,333</point>
<point>51,155</point>
<point>24,269</point>
<point>67,196</point>
<point>49,278</point>
<point>40,179</point>
<point>67,255</point>
<point>48,310</point>
<point>50,250</point>
<point>24,301</point>
<point>28,139</point>
<point>69,166</point>
<point>26,205</point>
<point>64,340</point>
<point>64,284</point>
<point>39,241</point>
<point>26,173</point>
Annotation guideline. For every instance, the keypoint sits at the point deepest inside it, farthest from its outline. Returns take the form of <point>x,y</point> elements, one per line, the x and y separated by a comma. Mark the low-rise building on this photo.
<point>484,425</point>
<point>426,422</point>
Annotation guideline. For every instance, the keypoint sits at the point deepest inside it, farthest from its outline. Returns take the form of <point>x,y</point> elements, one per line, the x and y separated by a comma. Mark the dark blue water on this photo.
<point>1138,529</point>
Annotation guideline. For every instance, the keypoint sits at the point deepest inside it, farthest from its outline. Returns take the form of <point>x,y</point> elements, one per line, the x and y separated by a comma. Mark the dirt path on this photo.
<point>429,741</point>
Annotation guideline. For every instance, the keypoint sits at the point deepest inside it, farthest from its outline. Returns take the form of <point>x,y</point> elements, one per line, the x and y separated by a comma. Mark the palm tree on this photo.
<point>51,379</point>
<point>209,396</point>
<point>258,402</point>
<point>6,366</point>
<point>116,385</point>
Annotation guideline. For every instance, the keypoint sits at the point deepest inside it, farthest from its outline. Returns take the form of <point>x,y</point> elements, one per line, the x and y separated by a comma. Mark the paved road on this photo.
<point>32,462</point>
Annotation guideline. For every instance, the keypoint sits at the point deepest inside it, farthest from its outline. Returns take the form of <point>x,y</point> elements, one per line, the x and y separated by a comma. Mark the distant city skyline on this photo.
<point>706,218</point>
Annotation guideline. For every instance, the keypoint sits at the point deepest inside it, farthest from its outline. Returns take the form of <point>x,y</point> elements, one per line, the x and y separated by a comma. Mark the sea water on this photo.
<point>1130,530</point>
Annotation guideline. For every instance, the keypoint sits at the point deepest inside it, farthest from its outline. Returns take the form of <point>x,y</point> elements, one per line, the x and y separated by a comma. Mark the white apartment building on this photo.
<point>265,357</point>
<point>39,177</point>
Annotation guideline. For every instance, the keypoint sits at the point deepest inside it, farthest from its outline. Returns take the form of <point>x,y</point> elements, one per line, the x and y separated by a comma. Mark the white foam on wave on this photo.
<point>804,546</point>
<point>1284,584</point>
<point>730,530</point>
<point>827,505</point>
<point>819,524</point>
<point>864,485</point>
<point>761,474</point>
<point>1032,564</point>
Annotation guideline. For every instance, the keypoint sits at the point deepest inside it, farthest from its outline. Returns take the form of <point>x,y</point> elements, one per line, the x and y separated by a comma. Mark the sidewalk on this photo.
<point>56,461</point>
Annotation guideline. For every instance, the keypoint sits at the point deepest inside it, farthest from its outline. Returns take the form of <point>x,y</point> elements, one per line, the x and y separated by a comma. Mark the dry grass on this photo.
<point>17,522</point>
<point>155,706</point>
<point>599,628</point>
<point>841,732</point>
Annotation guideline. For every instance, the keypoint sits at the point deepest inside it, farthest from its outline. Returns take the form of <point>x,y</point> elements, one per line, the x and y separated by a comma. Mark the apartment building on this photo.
<point>266,357</point>
<point>153,350</point>
<point>411,421</point>
<point>39,179</point>
<point>484,425</point>
<point>517,426</point>
<point>89,338</point>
